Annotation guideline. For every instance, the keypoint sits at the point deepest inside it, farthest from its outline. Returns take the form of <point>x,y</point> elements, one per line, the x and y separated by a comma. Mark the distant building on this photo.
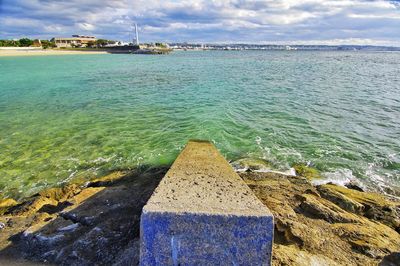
<point>74,41</point>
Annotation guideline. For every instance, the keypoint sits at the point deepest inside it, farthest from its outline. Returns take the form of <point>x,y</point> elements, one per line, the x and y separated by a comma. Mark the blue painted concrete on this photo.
<point>203,239</point>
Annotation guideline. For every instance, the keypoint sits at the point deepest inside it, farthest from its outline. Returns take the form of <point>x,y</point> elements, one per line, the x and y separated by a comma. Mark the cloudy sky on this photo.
<point>213,21</point>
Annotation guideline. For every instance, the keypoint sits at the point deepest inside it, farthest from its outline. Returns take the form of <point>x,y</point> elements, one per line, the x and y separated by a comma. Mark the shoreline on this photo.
<point>43,52</point>
<point>328,223</point>
<point>241,165</point>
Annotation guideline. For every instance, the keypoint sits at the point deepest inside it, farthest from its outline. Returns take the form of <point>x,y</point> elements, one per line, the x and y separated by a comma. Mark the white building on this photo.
<point>74,41</point>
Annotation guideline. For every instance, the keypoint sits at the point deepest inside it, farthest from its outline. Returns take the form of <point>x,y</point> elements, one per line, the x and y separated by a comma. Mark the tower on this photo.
<point>136,40</point>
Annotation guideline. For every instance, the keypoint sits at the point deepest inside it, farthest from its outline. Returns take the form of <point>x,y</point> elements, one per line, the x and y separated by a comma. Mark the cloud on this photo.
<point>85,26</point>
<point>250,21</point>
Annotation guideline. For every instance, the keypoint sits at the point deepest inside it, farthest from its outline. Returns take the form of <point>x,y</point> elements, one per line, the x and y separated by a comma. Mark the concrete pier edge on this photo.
<point>202,212</point>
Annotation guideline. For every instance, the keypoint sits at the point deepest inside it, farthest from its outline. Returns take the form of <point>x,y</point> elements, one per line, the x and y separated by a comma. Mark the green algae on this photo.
<point>306,171</point>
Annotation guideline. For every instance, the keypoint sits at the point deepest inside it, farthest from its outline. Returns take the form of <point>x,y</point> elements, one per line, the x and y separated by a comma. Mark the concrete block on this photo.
<point>202,213</point>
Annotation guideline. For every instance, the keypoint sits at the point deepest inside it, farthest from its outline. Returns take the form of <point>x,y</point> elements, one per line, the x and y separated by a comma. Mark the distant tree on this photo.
<point>48,44</point>
<point>101,42</point>
<point>159,44</point>
<point>9,43</point>
<point>90,44</point>
<point>25,42</point>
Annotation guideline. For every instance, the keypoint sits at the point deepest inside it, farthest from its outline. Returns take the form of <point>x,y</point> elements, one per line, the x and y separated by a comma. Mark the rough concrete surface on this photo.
<point>202,213</point>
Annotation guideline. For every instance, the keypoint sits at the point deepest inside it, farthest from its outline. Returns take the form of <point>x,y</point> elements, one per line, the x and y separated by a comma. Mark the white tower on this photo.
<point>136,40</point>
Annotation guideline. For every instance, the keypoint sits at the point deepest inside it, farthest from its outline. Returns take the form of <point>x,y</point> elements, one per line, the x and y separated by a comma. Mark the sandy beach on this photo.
<point>36,52</point>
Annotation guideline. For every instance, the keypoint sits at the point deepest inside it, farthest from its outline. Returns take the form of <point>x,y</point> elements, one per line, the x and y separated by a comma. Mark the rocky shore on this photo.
<point>98,222</point>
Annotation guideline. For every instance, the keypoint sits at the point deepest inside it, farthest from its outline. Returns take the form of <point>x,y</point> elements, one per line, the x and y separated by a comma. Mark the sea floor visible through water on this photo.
<point>74,117</point>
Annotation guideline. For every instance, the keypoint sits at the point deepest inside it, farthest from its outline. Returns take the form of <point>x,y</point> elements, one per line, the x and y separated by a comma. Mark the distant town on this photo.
<point>91,42</point>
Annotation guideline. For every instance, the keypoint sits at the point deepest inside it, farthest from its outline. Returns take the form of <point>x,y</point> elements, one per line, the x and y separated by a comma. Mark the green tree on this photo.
<point>90,44</point>
<point>25,42</point>
<point>161,45</point>
<point>47,44</point>
<point>101,42</point>
<point>9,43</point>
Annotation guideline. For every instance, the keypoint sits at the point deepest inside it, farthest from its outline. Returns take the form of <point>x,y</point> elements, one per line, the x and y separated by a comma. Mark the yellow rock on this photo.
<point>7,203</point>
<point>370,238</point>
<point>306,171</point>
<point>366,198</point>
<point>292,255</point>
<point>60,194</point>
<point>108,179</point>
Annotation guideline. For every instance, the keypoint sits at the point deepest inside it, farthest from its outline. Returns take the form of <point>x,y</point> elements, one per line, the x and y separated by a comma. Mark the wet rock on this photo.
<point>251,164</point>
<point>306,171</point>
<point>353,185</point>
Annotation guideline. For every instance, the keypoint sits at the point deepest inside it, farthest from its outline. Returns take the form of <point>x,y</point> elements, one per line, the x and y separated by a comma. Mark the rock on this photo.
<point>305,171</point>
<point>339,199</point>
<point>84,195</point>
<point>60,194</point>
<point>292,255</point>
<point>108,179</point>
<point>353,185</point>
<point>33,205</point>
<point>251,164</point>
<point>314,230</point>
<point>370,238</point>
<point>387,215</point>
<point>324,209</point>
<point>367,199</point>
<point>376,207</point>
<point>393,259</point>
<point>323,225</point>
<point>5,204</point>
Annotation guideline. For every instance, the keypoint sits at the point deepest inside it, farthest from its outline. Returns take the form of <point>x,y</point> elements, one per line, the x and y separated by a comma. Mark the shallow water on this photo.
<point>76,116</point>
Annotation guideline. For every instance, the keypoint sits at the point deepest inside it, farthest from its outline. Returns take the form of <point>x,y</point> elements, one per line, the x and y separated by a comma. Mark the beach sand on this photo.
<point>37,52</point>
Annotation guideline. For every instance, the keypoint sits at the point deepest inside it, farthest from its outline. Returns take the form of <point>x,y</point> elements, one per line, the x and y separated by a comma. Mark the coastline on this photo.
<point>328,223</point>
<point>43,52</point>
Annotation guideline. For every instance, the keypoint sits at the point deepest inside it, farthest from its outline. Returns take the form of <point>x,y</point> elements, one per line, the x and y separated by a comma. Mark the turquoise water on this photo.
<point>78,116</point>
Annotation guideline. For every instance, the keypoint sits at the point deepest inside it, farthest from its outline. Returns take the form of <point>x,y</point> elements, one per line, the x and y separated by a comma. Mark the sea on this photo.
<point>74,117</point>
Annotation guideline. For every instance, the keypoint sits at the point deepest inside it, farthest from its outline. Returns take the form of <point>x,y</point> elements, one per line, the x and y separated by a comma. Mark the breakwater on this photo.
<point>203,213</point>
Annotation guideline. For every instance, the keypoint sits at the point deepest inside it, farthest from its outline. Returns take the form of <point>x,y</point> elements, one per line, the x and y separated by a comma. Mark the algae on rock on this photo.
<point>306,171</point>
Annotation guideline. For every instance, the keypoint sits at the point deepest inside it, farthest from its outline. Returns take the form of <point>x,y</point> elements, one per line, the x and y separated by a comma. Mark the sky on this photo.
<point>364,22</point>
